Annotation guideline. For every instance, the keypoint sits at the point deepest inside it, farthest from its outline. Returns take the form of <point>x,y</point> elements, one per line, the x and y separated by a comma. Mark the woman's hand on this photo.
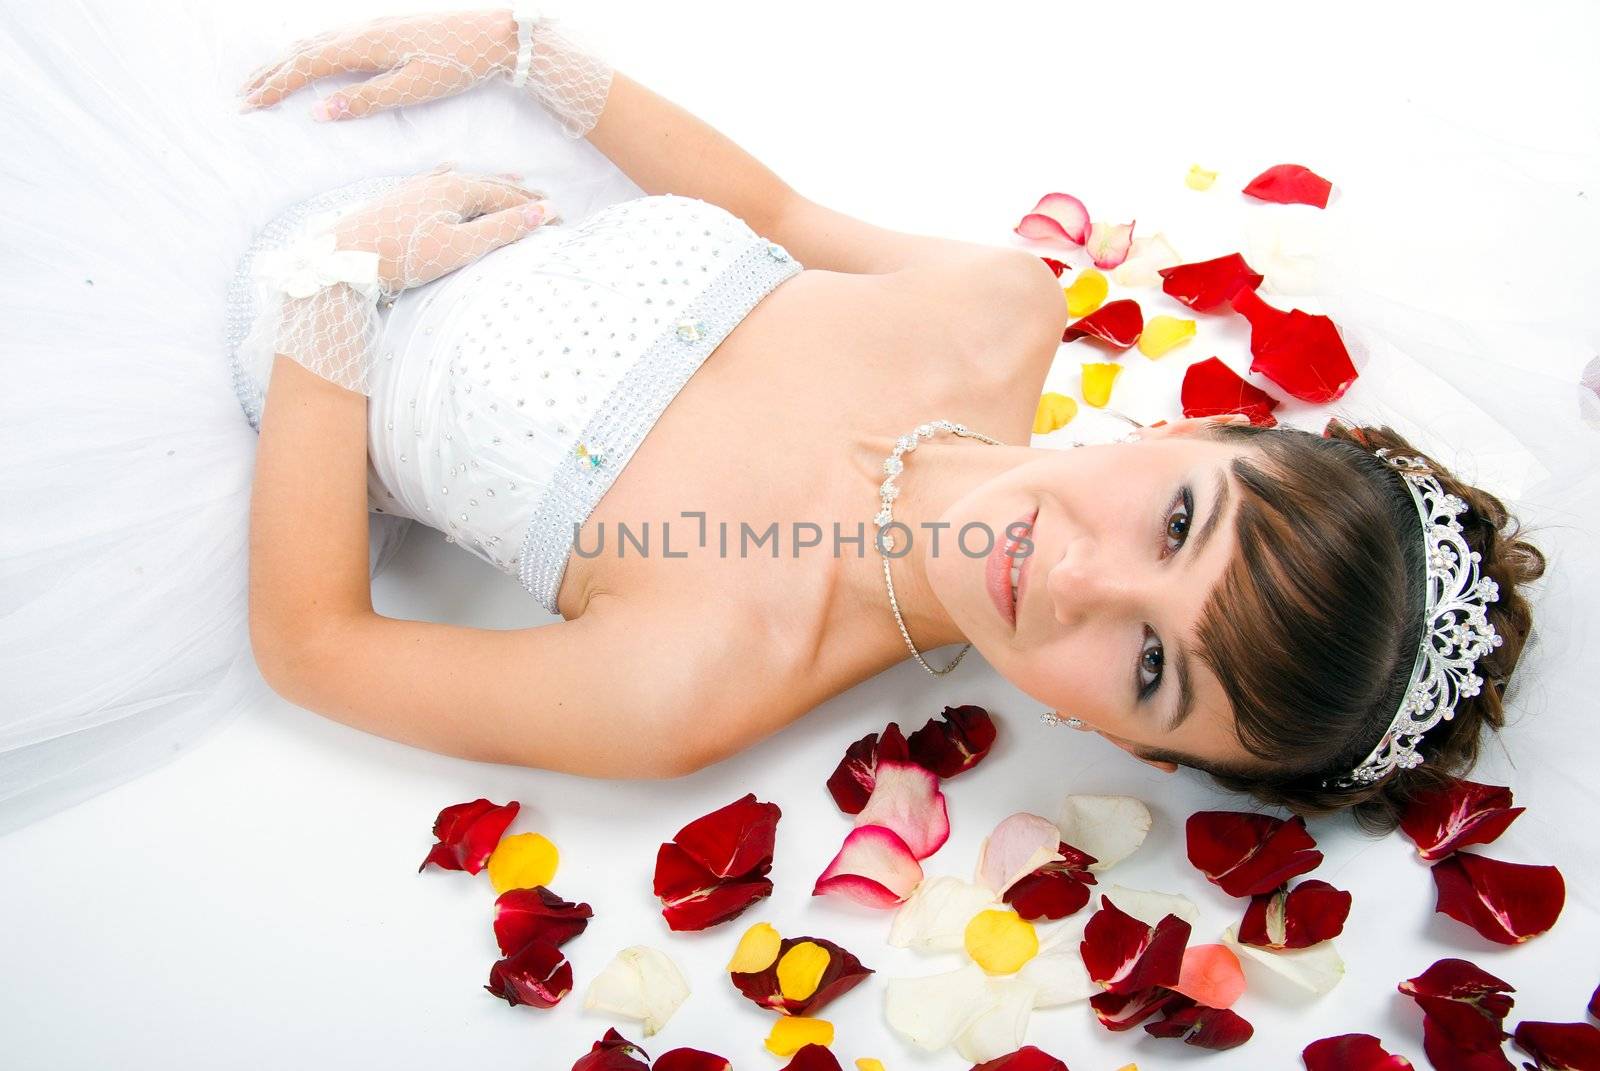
<point>422,57</point>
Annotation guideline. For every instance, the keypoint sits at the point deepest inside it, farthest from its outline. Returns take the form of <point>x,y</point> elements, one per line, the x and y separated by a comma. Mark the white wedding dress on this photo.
<point>508,395</point>
<point>506,398</point>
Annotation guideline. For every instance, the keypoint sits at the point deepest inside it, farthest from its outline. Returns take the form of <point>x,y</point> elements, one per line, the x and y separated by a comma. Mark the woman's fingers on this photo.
<point>468,241</point>
<point>328,55</point>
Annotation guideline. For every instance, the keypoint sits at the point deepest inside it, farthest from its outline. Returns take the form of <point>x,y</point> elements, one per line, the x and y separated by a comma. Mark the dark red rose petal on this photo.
<point>733,841</point>
<point>1206,1028</point>
<point>1594,1003</point>
<point>1312,912</point>
<point>1123,955</point>
<point>537,974</point>
<point>613,1053</point>
<point>692,898</point>
<point>1351,1052</point>
<point>691,1060</point>
<point>1290,184</point>
<point>1249,854</point>
<point>843,973</point>
<point>1124,1011</point>
<point>1116,323</point>
<point>813,1058</point>
<point>1209,284</point>
<point>852,783</point>
<point>1055,265</point>
<point>1560,1046</point>
<point>1468,1003</point>
<point>1462,813</point>
<point>1211,388</point>
<point>1505,902</point>
<point>537,914</point>
<point>954,742</point>
<point>1301,352</point>
<point>1445,1055</point>
<point>1027,1058</point>
<point>1055,890</point>
<point>467,834</point>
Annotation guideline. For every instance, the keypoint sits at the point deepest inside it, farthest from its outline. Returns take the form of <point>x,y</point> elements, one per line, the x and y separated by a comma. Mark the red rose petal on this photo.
<point>537,974</point>
<point>1312,912</point>
<point>1206,1028</point>
<point>1209,284</point>
<point>1055,890</point>
<point>1054,265</point>
<point>1027,1058</point>
<point>1124,1011</point>
<point>692,898</point>
<point>852,782</point>
<point>1469,1004</point>
<point>1249,854</point>
<point>537,914</point>
<point>1505,902</point>
<point>691,1060</point>
<point>1058,216</point>
<point>1560,1046</point>
<point>1290,184</point>
<point>843,973</point>
<point>1211,388</point>
<point>1123,955</point>
<point>1300,352</point>
<point>1594,1003</point>
<point>613,1053</point>
<point>1351,1052</point>
<point>954,742</point>
<point>467,834</point>
<point>813,1058</point>
<point>735,840</point>
<point>1116,323</point>
<point>1444,1055</point>
<point>1462,813</point>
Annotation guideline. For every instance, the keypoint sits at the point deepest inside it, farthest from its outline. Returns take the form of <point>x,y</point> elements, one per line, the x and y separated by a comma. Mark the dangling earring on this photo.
<point>1050,717</point>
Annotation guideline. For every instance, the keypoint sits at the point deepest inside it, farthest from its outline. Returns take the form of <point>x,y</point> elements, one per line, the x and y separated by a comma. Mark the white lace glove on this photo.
<point>424,57</point>
<point>317,298</point>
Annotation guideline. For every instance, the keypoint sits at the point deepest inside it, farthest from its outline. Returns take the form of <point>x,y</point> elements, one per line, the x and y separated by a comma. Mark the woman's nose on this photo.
<point>1089,582</point>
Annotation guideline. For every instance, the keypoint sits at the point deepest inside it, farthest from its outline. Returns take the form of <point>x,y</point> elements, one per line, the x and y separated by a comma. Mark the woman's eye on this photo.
<point>1176,530</point>
<point>1151,659</point>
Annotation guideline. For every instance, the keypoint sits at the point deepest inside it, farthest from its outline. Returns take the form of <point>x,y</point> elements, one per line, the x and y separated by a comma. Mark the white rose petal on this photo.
<point>1148,907</point>
<point>1316,969</point>
<point>1002,1028</point>
<point>1058,969</point>
<point>931,1012</point>
<point>639,983</point>
<point>1110,828</point>
<point>1145,257</point>
<point>935,918</point>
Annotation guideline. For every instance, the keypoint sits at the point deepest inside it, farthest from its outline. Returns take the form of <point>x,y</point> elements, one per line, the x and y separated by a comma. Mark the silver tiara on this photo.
<point>1457,630</point>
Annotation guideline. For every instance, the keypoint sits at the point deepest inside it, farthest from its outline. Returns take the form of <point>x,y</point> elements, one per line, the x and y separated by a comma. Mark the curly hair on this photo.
<point>1314,628</point>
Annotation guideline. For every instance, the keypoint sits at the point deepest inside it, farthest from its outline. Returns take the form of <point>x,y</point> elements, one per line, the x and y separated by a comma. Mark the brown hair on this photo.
<point>1314,628</point>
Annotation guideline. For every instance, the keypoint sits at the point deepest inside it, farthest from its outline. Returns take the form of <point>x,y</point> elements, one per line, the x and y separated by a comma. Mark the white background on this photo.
<point>255,904</point>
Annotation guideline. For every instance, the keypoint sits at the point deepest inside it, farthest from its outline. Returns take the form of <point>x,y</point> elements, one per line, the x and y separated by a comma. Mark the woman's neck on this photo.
<point>936,474</point>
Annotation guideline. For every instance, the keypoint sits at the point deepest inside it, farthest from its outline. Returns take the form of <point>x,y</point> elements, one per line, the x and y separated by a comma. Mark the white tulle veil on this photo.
<point>131,186</point>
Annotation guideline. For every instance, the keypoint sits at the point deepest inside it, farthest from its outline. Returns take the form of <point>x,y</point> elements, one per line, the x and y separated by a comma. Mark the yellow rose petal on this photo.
<point>800,970</point>
<point>1162,334</point>
<point>865,1064</point>
<point>757,949</point>
<point>1199,178</point>
<point>1087,293</point>
<point>1001,941</point>
<point>522,861</point>
<point>1097,380</point>
<point>1055,411</point>
<point>791,1033</point>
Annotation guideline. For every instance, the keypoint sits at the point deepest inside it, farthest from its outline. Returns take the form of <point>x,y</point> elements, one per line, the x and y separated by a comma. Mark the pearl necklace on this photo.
<point>887,493</point>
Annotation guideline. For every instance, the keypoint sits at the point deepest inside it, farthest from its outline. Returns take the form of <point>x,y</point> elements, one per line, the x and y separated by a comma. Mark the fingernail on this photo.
<point>332,108</point>
<point>534,213</point>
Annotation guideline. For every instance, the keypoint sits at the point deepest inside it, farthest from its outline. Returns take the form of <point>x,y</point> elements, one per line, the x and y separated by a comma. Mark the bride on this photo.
<point>751,450</point>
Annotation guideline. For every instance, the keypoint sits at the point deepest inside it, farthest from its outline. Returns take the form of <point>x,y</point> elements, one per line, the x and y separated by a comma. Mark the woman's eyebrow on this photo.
<point>1219,506</point>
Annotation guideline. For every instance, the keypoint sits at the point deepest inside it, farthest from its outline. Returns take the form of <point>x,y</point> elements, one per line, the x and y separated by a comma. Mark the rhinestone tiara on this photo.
<point>1456,631</point>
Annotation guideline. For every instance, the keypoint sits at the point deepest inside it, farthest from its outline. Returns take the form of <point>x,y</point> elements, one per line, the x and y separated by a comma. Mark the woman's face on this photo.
<point>1122,546</point>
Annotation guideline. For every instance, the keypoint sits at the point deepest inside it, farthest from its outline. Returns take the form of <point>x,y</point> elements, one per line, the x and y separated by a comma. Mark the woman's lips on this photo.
<point>997,570</point>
